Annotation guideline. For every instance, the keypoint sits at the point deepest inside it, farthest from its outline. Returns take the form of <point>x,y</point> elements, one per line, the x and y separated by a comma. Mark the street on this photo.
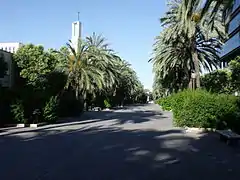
<point>134,143</point>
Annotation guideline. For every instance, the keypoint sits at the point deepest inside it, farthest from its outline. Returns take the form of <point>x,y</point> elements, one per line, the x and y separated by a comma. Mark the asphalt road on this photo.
<point>135,143</point>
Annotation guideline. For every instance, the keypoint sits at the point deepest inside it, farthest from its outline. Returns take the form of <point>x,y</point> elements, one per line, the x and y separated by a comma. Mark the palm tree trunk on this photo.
<point>76,93</point>
<point>197,68</point>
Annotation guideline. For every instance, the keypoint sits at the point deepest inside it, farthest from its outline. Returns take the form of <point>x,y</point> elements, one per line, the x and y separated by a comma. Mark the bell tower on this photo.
<point>76,33</point>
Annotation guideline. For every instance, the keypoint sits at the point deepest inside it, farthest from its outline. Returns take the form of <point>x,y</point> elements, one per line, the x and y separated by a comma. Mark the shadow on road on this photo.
<point>126,116</point>
<point>91,117</point>
<point>114,153</point>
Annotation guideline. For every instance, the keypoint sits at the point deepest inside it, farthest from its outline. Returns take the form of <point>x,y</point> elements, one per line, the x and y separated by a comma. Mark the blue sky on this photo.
<point>129,25</point>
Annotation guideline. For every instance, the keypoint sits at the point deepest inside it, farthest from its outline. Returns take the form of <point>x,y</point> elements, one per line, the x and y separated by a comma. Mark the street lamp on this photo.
<point>193,77</point>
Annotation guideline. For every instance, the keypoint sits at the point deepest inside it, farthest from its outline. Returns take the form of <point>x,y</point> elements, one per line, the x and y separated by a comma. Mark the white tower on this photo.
<point>76,33</point>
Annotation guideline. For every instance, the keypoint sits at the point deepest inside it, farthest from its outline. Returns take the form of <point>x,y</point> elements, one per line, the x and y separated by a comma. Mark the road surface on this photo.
<point>134,143</point>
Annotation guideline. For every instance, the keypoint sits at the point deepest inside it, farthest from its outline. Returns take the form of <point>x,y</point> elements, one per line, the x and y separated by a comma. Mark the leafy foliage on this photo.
<point>69,105</point>
<point>212,6</point>
<point>34,62</point>
<point>188,42</point>
<point>95,71</point>
<point>70,78</point>
<point>17,110</point>
<point>107,103</point>
<point>224,81</point>
<point>50,112</point>
<point>204,110</point>
<point>165,103</point>
<point>234,67</point>
<point>217,82</point>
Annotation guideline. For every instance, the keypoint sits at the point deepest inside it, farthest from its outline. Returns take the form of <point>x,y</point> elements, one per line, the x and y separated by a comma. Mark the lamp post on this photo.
<point>193,76</point>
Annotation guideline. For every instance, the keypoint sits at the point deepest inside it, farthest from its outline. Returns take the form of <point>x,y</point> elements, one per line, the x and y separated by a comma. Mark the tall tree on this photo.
<point>34,62</point>
<point>95,72</point>
<point>106,60</point>
<point>213,6</point>
<point>83,75</point>
<point>188,41</point>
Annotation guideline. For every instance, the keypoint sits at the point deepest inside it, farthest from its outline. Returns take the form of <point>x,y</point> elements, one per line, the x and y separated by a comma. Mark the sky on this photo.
<point>129,26</point>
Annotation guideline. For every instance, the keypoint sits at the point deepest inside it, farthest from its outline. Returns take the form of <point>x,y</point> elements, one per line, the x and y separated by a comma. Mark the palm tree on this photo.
<point>173,64</point>
<point>95,71</point>
<point>127,83</point>
<point>119,78</point>
<point>213,6</point>
<point>189,29</point>
<point>83,74</point>
<point>106,59</point>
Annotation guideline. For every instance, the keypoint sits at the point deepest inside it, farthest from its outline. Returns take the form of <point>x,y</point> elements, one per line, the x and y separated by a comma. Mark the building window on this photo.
<point>5,48</point>
<point>9,49</point>
<point>231,44</point>
<point>236,5</point>
<point>13,49</point>
<point>235,22</point>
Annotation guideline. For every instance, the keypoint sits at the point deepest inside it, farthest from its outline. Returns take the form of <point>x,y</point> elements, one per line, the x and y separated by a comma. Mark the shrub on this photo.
<point>36,115</point>
<point>50,112</point>
<point>165,103</point>
<point>218,81</point>
<point>107,104</point>
<point>17,111</point>
<point>69,105</point>
<point>6,99</point>
<point>204,110</point>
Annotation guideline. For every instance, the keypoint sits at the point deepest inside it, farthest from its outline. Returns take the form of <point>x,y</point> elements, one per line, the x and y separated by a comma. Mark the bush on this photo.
<point>218,81</point>
<point>69,105</point>
<point>50,112</point>
<point>107,104</point>
<point>17,111</point>
<point>165,103</point>
<point>6,98</point>
<point>36,115</point>
<point>204,110</point>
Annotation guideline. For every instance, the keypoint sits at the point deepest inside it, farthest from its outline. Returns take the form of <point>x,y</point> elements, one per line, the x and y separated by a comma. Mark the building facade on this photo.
<point>231,49</point>
<point>10,47</point>
<point>8,79</point>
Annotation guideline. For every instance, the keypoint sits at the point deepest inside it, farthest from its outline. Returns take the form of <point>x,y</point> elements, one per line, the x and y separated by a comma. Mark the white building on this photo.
<point>76,33</point>
<point>10,47</point>
<point>8,79</point>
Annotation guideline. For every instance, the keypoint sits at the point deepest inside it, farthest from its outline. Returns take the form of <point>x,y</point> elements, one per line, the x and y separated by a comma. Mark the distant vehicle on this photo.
<point>96,109</point>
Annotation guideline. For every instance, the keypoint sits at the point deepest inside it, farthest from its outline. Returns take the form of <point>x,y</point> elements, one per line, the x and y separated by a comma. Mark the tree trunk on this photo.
<point>197,68</point>
<point>76,93</point>
<point>85,105</point>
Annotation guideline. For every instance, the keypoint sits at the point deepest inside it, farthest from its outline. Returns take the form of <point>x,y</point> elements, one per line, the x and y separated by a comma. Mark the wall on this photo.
<point>8,79</point>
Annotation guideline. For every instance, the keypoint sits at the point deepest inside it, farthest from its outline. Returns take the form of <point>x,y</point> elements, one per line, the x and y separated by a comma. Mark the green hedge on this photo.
<point>165,103</point>
<point>203,109</point>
